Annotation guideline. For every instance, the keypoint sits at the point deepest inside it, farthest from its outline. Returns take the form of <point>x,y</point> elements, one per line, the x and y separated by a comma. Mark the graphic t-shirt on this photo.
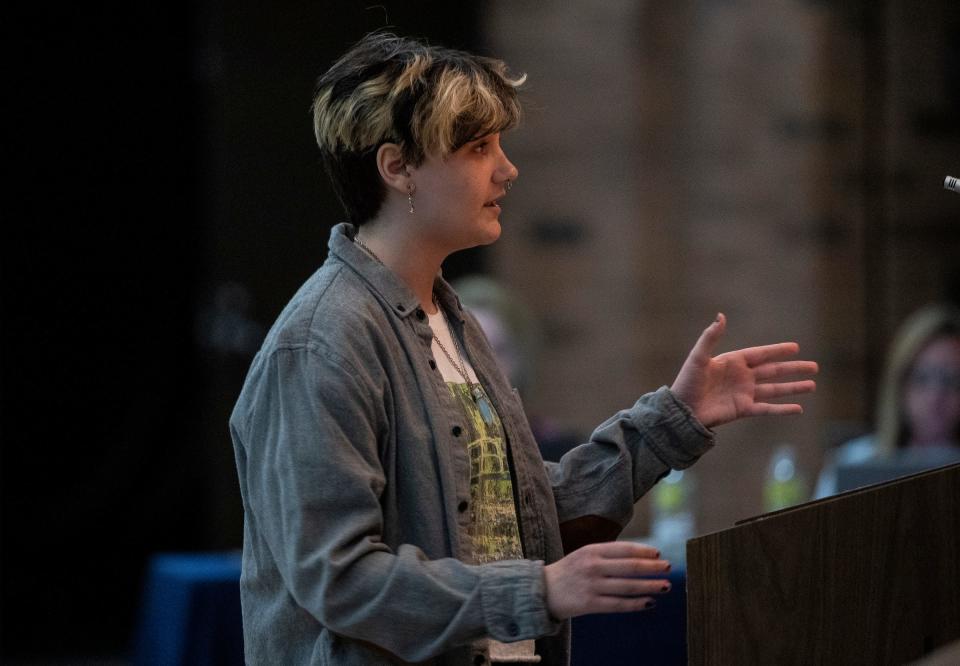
<point>493,531</point>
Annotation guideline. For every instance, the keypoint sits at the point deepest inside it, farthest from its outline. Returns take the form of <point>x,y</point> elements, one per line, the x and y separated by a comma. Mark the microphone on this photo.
<point>952,184</point>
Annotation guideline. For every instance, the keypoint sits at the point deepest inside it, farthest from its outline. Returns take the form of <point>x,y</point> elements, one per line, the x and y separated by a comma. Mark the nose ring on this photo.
<point>509,185</point>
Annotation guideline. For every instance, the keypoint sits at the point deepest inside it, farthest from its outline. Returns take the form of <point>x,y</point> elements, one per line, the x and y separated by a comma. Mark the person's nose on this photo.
<point>507,169</point>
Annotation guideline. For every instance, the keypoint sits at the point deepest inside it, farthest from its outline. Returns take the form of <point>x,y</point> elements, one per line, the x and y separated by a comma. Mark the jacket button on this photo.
<point>421,315</point>
<point>456,431</point>
<point>463,506</point>
<point>433,364</point>
<point>401,307</point>
<point>513,629</point>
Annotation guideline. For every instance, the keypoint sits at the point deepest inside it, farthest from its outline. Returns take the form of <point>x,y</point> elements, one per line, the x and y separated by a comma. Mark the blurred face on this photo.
<point>457,199</point>
<point>503,344</point>
<point>932,393</point>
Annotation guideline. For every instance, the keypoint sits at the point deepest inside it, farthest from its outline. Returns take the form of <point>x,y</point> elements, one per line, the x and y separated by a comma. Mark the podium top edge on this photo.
<point>910,478</point>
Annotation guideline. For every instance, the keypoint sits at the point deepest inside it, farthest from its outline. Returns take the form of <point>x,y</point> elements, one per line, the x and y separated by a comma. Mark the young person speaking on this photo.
<point>396,506</point>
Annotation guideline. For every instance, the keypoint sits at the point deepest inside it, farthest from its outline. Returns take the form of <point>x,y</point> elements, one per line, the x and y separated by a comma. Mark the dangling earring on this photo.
<point>410,198</point>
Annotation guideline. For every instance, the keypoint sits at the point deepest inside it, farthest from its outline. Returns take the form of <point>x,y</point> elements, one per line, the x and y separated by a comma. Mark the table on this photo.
<point>190,613</point>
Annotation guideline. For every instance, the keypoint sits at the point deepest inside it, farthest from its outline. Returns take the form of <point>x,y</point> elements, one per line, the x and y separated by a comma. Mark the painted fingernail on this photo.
<point>667,568</point>
<point>665,588</point>
<point>649,605</point>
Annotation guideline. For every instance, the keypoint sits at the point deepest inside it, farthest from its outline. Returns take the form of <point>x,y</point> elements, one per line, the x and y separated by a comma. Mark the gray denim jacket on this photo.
<point>355,482</point>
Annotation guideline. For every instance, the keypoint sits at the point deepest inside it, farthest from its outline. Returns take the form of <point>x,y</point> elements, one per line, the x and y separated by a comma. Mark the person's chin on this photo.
<point>484,232</point>
<point>492,232</point>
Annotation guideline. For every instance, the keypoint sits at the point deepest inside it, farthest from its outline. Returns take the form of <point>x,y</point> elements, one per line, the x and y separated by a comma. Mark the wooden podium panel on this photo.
<point>871,576</point>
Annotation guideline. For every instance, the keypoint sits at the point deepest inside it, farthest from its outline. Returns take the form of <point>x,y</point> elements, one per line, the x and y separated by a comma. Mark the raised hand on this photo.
<point>605,578</point>
<point>720,389</point>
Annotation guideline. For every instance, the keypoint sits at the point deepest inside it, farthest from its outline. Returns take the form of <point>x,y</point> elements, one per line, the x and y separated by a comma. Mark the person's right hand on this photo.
<point>604,578</point>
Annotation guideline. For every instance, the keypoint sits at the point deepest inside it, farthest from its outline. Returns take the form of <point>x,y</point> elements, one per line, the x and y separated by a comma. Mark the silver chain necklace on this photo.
<point>366,249</point>
<point>460,367</point>
<point>476,390</point>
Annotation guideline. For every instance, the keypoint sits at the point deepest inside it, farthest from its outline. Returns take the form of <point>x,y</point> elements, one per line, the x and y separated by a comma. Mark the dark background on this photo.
<point>164,182</point>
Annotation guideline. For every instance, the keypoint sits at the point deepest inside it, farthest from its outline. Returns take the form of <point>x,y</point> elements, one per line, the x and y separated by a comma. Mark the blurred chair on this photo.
<point>190,613</point>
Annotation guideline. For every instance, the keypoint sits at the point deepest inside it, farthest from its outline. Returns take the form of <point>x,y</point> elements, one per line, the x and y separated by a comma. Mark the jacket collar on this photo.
<point>384,281</point>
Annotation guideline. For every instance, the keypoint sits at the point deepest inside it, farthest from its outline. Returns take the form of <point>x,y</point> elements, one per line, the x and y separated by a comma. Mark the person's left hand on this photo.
<point>721,389</point>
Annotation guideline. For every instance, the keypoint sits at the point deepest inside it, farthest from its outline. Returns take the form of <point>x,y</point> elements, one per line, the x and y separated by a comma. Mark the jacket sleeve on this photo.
<point>313,482</point>
<point>625,457</point>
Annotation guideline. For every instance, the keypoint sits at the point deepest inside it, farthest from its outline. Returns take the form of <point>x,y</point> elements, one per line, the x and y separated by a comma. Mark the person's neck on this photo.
<point>411,258</point>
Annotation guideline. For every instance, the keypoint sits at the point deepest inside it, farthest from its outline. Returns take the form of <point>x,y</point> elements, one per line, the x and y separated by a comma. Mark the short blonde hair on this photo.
<point>428,100</point>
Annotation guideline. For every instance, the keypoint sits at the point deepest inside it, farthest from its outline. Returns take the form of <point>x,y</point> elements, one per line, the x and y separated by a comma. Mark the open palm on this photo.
<point>720,389</point>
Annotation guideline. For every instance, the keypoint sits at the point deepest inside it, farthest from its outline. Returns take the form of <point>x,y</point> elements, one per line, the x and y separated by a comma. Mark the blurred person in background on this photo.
<point>918,416</point>
<point>515,339</point>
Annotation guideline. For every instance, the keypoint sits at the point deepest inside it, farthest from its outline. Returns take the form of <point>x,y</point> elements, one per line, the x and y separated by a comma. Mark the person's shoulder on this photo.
<point>328,310</point>
<point>857,450</point>
<point>852,452</point>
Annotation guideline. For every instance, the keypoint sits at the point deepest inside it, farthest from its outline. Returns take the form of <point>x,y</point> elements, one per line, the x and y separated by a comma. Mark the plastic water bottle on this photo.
<point>784,485</point>
<point>673,521</point>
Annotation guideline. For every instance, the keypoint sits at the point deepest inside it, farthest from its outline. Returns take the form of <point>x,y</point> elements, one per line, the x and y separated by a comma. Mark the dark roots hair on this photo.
<point>428,100</point>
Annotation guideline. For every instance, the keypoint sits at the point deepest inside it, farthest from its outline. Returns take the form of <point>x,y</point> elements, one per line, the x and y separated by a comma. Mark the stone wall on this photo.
<point>777,161</point>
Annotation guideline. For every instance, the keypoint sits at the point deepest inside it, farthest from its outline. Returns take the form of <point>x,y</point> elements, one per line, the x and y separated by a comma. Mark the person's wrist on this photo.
<point>549,592</point>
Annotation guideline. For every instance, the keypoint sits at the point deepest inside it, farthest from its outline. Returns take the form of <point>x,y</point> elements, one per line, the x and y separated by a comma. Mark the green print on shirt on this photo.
<point>493,517</point>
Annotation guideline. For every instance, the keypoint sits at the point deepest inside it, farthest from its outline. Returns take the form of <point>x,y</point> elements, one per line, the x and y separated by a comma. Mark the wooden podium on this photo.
<point>871,576</point>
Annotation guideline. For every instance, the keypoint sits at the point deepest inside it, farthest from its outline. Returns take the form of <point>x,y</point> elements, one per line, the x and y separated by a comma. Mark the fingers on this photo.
<point>618,588</point>
<point>785,369</point>
<point>631,587</point>
<point>772,409</point>
<point>605,578</point>
<point>618,567</point>
<point>755,356</point>
<point>623,604</point>
<point>780,389</point>
<point>623,549</point>
<point>708,339</point>
<point>633,566</point>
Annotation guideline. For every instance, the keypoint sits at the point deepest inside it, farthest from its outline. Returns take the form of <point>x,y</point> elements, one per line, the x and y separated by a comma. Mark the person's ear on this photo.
<point>393,167</point>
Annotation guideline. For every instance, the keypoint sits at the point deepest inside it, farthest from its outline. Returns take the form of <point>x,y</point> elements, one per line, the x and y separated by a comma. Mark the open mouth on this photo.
<point>492,204</point>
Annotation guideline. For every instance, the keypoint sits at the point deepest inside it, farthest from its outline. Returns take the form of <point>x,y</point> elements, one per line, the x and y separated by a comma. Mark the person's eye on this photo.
<point>480,147</point>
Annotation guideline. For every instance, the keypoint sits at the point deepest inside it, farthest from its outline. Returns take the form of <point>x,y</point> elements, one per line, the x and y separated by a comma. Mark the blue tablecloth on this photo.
<point>190,612</point>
